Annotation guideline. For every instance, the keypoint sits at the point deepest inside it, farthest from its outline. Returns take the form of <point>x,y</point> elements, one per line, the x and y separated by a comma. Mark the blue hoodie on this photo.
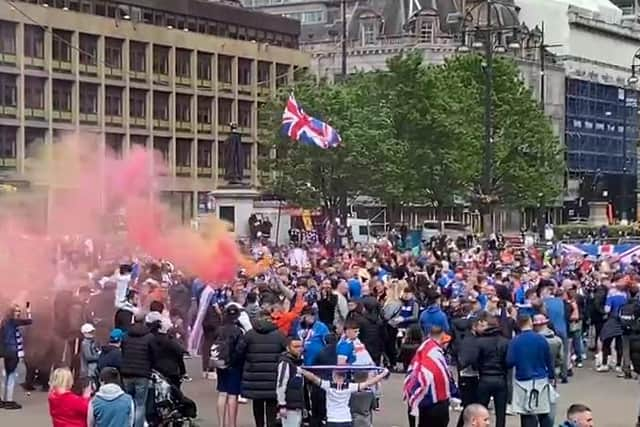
<point>110,407</point>
<point>313,340</point>
<point>433,316</point>
<point>556,314</point>
<point>530,355</point>
<point>355,288</point>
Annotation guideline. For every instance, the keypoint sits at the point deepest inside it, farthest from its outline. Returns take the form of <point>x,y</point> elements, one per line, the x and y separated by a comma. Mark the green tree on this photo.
<point>527,162</point>
<point>362,164</point>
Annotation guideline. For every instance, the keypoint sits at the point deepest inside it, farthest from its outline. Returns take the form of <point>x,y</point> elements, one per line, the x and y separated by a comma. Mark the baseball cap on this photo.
<point>116,335</point>
<point>87,328</point>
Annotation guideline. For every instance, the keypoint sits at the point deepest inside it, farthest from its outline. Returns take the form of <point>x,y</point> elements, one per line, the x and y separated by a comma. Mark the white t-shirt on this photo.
<point>338,400</point>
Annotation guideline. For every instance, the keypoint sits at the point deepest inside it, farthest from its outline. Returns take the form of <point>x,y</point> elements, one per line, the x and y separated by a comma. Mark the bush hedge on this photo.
<point>575,231</point>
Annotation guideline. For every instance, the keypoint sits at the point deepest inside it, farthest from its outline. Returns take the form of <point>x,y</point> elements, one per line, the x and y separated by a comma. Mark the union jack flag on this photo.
<point>305,129</point>
<point>428,377</point>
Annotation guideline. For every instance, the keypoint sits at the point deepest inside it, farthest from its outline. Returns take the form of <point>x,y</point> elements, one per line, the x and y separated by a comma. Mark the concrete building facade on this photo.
<point>169,76</point>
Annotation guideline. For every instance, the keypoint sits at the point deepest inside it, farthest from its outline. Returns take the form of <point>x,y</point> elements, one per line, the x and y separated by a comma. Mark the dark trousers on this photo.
<point>390,348</point>
<point>468,387</point>
<point>205,350</point>
<point>265,408</point>
<point>318,406</point>
<point>535,421</point>
<point>434,416</point>
<point>606,350</point>
<point>496,387</point>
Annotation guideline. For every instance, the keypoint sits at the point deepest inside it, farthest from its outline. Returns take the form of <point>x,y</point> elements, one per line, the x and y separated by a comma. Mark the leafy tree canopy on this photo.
<point>415,133</point>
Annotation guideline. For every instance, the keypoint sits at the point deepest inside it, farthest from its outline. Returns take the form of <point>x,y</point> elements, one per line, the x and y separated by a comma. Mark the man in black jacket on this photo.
<point>262,347</point>
<point>489,359</point>
<point>290,387</point>
<point>137,360</point>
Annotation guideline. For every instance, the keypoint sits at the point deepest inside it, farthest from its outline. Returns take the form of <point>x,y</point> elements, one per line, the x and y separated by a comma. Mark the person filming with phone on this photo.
<point>12,351</point>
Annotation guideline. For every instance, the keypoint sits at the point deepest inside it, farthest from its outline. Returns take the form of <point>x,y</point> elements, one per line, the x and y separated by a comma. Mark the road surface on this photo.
<point>614,401</point>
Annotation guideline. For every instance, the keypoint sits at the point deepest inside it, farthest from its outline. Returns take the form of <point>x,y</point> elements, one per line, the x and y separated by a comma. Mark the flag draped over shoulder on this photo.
<point>428,379</point>
<point>305,129</point>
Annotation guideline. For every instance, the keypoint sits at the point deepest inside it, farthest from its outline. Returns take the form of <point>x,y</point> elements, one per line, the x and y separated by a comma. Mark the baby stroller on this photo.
<point>167,406</point>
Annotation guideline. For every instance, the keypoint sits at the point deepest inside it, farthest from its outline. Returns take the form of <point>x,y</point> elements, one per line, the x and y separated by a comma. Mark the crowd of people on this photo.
<point>310,340</point>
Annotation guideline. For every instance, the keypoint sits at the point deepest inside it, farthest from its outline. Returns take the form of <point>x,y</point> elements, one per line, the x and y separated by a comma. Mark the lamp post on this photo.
<point>489,38</point>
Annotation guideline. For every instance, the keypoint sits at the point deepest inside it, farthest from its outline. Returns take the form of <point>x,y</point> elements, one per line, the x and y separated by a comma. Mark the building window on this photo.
<point>368,32</point>
<point>224,111</point>
<point>183,63</point>
<point>61,46</point>
<point>162,146</point>
<point>88,49</point>
<point>7,37</point>
<point>282,75</point>
<point>244,114</point>
<point>308,17</point>
<point>228,213</point>
<point>113,53</point>
<point>88,98</point>
<point>161,106</point>
<point>161,60</point>
<point>224,68</point>
<point>427,31</point>
<point>138,57</point>
<point>139,141</point>
<point>34,92</point>
<point>137,103</point>
<point>113,141</point>
<point>8,142</point>
<point>244,72</point>
<point>204,154</point>
<point>33,140</point>
<point>204,110</point>
<point>204,66</point>
<point>183,108</point>
<point>183,153</point>
<point>113,101</point>
<point>62,90</point>
<point>33,41</point>
<point>8,90</point>
<point>264,74</point>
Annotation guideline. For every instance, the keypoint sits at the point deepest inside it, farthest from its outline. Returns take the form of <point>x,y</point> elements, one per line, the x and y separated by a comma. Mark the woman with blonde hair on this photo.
<point>391,310</point>
<point>66,408</point>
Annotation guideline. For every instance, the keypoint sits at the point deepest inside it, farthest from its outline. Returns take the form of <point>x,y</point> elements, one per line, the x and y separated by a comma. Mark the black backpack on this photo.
<point>629,316</point>
<point>222,349</point>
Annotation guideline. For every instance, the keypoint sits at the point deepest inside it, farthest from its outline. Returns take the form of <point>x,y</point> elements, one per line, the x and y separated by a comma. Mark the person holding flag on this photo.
<point>428,386</point>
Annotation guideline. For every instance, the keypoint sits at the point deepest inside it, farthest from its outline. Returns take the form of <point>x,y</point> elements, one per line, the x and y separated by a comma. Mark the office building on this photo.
<point>168,75</point>
<point>597,45</point>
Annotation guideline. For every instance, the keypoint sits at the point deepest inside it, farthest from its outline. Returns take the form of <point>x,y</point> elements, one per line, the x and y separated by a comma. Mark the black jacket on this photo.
<point>211,321</point>
<point>262,347</point>
<point>327,308</point>
<point>231,333</point>
<point>137,355</point>
<point>110,356</point>
<point>490,356</point>
<point>460,330</point>
<point>291,382</point>
<point>167,355</point>
<point>371,333</point>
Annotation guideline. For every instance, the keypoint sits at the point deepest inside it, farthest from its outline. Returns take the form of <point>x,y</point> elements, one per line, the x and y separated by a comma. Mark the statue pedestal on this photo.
<point>598,213</point>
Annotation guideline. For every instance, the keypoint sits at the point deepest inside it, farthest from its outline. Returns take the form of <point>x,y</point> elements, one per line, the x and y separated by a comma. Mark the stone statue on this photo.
<point>598,186</point>
<point>234,158</point>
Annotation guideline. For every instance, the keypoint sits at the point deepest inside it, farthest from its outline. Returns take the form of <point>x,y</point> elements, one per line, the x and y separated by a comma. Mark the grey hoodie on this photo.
<point>89,354</point>
<point>362,404</point>
<point>110,407</point>
<point>555,346</point>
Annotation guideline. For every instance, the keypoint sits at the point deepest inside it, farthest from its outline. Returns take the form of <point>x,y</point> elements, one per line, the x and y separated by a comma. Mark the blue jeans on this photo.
<point>138,388</point>
<point>578,349</point>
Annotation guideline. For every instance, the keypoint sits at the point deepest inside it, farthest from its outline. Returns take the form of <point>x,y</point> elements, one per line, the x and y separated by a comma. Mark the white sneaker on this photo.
<point>509,410</point>
<point>602,368</point>
<point>619,369</point>
<point>242,400</point>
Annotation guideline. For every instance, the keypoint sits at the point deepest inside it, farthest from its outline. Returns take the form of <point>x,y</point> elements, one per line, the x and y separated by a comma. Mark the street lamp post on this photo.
<point>483,35</point>
<point>344,38</point>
